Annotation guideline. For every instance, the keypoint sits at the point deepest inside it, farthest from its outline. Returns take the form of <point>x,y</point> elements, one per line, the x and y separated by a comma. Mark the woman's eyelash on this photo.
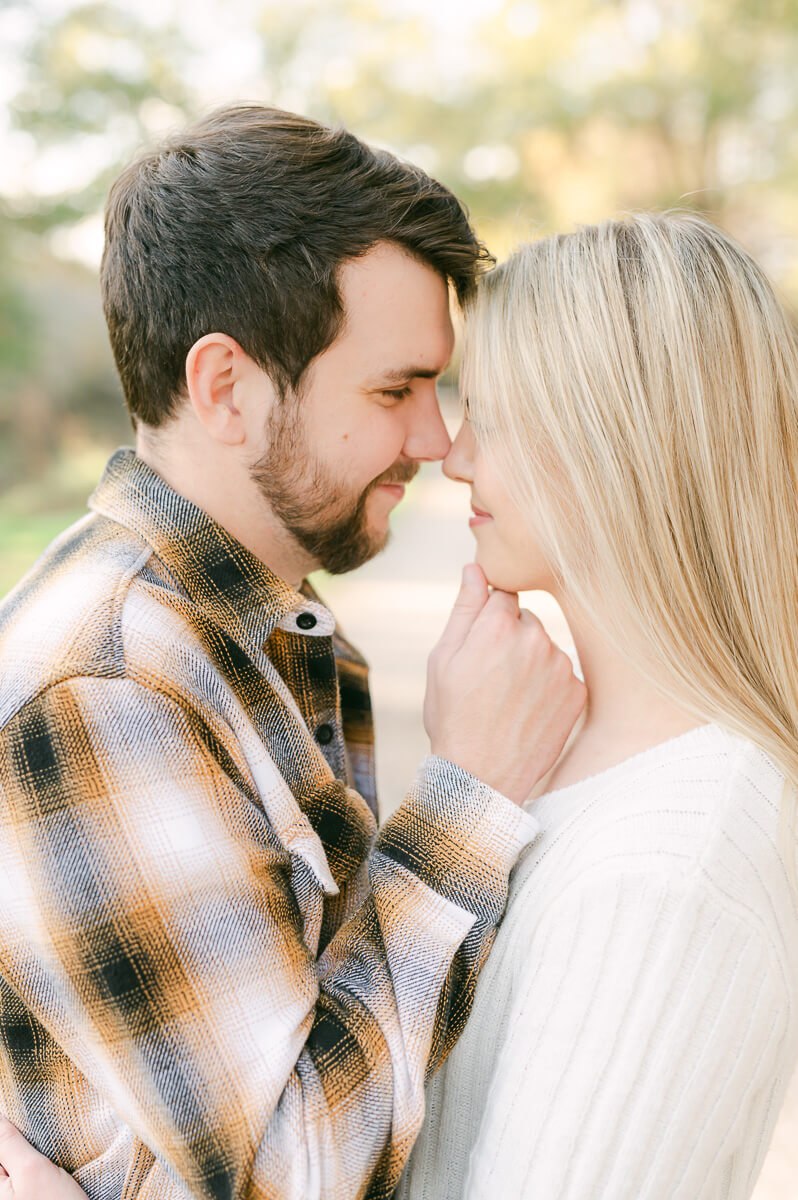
<point>398,393</point>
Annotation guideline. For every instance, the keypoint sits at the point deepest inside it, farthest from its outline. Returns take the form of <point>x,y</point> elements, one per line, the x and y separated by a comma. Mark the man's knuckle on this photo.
<point>538,643</point>
<point>436,657</point>
<point>26,1178</point>
<point>506,620</point>
<point>561,666</point>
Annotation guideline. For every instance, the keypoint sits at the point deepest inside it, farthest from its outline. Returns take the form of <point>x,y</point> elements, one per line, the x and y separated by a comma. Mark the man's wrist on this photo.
<point>458,834</point>
<point>505,785</point>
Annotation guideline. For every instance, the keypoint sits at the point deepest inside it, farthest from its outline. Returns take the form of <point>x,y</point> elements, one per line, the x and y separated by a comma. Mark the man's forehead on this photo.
<point>388,283</point>
<point>397,323</point>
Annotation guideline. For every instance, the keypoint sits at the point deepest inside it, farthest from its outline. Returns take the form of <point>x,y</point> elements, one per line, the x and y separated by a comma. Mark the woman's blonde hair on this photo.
<point>637,382</point>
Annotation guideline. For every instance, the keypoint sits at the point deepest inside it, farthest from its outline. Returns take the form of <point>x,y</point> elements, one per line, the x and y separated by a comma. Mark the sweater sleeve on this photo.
<point>648,1021</point>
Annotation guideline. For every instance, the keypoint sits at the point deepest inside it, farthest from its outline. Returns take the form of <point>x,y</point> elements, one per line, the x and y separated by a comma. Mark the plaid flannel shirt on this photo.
<point>216,980</point>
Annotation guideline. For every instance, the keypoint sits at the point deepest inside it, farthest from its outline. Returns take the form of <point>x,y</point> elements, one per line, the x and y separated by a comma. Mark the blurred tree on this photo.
<point>542,115</point>
<point>551,113</point>
<point>16,320</point>
<point>688,101</point>
<point>17,343</point>
<point>545,111</point>
<point>102,81</point>
<point>96,83</point>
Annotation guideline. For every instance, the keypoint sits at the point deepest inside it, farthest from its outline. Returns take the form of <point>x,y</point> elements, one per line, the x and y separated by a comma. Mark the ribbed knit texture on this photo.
<point>634,1030</point>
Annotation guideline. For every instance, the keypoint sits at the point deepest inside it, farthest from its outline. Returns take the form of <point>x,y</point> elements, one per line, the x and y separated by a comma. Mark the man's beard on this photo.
<point>312,505</point>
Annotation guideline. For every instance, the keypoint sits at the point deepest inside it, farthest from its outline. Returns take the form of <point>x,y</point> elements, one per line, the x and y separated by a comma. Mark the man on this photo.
<point>215,981</point>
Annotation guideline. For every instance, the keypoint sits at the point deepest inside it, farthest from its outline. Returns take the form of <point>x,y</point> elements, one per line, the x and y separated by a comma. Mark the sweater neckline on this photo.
<point>633,760</point>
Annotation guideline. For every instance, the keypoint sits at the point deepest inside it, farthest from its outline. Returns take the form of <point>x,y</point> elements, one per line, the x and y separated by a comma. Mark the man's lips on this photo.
<point>395,489</point>
<point>394,481</point>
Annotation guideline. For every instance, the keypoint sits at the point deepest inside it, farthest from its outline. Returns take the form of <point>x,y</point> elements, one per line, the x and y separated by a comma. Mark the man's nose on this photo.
<point>428,438</point>
<point>459,462</point>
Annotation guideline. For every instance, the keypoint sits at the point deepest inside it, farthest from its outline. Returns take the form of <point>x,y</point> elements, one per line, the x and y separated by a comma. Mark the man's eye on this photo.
<point>397,393</point>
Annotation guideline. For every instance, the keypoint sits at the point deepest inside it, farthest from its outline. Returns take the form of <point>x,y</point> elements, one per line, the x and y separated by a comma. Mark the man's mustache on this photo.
<point>398,473</point>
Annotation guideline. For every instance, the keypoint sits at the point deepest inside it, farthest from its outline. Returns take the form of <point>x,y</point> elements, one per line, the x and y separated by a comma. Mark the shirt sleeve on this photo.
<point>646,1041</point>
<point>157,933</point>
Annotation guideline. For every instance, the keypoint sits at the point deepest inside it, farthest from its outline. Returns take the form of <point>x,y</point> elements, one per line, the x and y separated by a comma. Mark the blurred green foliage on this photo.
<point>540,116</point>
<point>91,74</point>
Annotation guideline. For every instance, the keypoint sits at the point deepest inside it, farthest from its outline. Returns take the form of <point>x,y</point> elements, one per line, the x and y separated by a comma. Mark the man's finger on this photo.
<point>499,601</point>
<point>529,619</point>
<point>15,1152</point>
<point>471,599</point>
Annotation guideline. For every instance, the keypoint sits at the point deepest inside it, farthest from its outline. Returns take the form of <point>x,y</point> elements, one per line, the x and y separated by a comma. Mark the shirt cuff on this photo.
<point>460,836</point>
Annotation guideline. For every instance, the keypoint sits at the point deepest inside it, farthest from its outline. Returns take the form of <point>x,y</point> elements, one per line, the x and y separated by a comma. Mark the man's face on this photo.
<point>336,458</point>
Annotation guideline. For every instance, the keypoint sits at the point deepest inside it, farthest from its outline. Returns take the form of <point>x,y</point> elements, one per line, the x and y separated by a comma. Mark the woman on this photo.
<point>631,444</point>
<point>632,448</point>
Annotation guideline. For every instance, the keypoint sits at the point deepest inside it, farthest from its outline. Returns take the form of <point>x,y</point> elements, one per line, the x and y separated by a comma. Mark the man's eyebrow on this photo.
<point>395,376</point>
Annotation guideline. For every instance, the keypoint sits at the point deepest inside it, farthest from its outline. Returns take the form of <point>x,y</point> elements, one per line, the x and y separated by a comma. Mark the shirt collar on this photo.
<point>220,575</point>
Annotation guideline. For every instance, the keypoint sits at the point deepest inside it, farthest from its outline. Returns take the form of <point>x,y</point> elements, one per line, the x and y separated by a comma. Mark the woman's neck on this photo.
<point>624,714</point>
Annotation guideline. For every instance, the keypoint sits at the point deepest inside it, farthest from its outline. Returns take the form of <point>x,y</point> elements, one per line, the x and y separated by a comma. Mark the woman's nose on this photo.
<point>459,462</point>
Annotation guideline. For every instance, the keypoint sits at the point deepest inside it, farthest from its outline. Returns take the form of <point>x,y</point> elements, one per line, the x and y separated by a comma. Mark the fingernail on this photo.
<point>470,573</point>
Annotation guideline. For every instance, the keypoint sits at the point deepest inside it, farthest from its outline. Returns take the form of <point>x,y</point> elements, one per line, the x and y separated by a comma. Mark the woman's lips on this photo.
<point>479,517</point>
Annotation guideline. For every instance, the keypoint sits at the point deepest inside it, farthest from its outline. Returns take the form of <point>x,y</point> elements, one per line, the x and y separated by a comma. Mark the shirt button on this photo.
<point>306,620</point>
<point>325,734</point>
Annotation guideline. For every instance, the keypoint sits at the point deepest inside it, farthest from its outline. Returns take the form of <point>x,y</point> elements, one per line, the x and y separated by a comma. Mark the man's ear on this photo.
<point>216,367</point>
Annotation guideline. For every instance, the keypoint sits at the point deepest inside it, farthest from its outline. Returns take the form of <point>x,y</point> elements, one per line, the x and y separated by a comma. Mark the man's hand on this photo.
<point>25,1174</point>
<point>501,697</point>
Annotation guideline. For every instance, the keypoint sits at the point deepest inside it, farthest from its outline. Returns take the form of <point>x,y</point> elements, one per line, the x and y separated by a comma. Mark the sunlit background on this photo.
<point>539,115</point>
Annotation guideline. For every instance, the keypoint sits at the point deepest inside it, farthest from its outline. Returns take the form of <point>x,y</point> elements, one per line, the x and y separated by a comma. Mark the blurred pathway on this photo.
<point>394,609</point>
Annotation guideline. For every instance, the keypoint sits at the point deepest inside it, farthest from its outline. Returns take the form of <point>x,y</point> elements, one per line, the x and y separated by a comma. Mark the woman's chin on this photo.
<point>504,577</point>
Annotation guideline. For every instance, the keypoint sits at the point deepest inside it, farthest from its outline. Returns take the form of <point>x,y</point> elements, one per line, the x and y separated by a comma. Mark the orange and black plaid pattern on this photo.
<point>216,980</point>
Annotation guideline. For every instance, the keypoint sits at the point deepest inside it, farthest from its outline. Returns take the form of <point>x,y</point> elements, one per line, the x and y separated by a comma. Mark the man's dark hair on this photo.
<point>239,226</point>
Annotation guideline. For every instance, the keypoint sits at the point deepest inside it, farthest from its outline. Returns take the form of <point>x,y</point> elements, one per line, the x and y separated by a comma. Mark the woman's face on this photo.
<point>507,549</point>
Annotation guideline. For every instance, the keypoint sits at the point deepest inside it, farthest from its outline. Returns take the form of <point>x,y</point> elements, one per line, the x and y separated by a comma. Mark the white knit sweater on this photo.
<point>634,1029</point>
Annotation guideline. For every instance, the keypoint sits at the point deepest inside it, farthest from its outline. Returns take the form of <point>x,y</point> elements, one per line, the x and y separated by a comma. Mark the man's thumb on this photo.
<point>471,599</point>
<point>15,1152</point>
